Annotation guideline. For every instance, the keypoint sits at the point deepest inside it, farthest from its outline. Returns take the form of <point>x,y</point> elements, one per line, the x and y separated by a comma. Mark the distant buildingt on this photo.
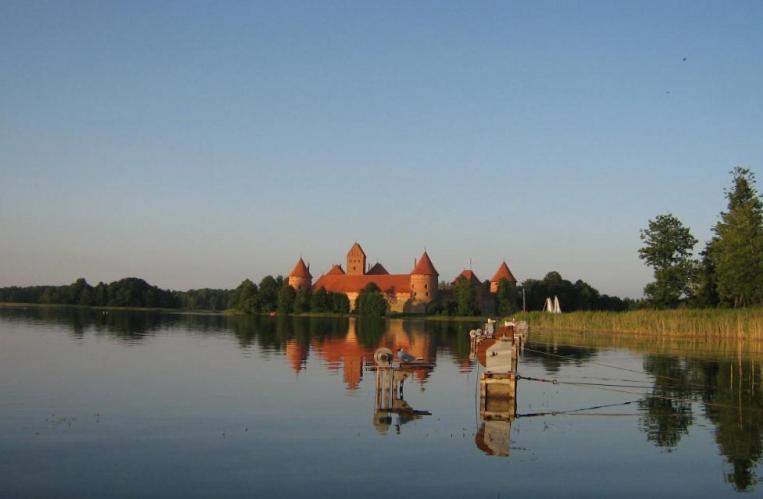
<point>409,293</point>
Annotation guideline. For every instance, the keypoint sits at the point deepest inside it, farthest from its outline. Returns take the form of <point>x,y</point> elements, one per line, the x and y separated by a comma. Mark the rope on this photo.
<point>653,395</point>
<point>610,366</point>
<point>572,411</point>
<point>580,383</point>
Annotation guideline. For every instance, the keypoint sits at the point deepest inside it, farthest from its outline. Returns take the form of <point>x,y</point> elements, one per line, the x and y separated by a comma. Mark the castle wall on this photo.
<point>396,302</point>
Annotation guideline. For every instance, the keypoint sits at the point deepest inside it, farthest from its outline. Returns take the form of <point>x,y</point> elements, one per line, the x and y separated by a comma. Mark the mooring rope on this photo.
<point>610,366</point>
<point>614,388</point>
<point>581,383</point>
<point>572,411</point>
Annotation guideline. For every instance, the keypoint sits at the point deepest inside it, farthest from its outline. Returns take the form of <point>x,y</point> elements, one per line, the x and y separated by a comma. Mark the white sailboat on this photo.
<point>552,306</point>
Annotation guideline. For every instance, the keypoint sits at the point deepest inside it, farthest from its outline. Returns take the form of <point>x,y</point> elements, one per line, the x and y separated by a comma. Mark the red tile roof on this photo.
<point>470,276</point>
<point>300,270</point>
<point>336,270</point>
<point>390,283</point>
<point>503,273</point>
<point>377,269</point>
<point>424,266</point>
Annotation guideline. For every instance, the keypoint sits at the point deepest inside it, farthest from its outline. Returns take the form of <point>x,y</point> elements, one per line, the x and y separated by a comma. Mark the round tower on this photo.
<point>300,277</point>
<point>424,280</point>
<point>502,273</point>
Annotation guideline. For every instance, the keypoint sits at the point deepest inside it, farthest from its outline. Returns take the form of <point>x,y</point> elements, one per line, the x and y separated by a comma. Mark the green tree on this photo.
<point>339,303</point>
<point>706,285</point>
<point>286,296</point>
<point>506,298</point>
<point>268,295</point>
<point>244,297</point>
<point>320,301</point>
<point>667,249</point>
<point>303,301</point>
<point>738,248</point>
<point>371,302</point>
<point>466,297</point>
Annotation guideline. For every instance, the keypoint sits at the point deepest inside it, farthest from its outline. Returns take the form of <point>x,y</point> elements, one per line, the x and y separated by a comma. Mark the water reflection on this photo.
<point>727,392</point>
<point>389,399</point>
<point>497,351</point>
<point>690,385</point>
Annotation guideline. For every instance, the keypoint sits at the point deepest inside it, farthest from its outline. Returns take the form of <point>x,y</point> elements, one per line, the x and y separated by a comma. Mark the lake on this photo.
<point>132,403</point>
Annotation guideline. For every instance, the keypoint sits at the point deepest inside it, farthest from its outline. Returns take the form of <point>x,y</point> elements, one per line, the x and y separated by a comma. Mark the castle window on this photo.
<point>427,293</point>
<point>425,286</point>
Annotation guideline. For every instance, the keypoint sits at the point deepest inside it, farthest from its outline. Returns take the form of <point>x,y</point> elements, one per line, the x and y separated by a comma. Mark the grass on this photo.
<point>702,324</point>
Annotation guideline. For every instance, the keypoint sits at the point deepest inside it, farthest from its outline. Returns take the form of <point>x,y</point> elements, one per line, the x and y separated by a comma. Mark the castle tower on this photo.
<point>356,260</point>
<point>502,273</point>
<point>300,277</point>
<point>424,280</point>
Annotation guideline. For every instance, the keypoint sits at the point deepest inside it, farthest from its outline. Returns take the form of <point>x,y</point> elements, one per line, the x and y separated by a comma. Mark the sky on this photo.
<point>196,144</point>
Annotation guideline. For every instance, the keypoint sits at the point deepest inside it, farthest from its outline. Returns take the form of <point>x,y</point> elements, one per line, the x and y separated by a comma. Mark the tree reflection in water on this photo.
<point>729,394</point>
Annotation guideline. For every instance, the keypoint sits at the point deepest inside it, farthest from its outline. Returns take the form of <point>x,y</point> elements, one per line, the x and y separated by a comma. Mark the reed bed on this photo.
<point>723,324</point>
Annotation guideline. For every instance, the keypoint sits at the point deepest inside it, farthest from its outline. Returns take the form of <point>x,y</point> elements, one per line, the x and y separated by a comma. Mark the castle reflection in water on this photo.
<point>350,355</point>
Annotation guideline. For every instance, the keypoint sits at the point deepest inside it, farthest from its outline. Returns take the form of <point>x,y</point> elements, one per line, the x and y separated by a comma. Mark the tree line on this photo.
<point>462,298</point>
<point>728,271</point>
<point>272,294</point>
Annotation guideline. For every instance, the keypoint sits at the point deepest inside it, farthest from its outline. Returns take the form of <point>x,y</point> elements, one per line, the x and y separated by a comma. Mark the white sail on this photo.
<point>557,308</point>
<point>548,306</point>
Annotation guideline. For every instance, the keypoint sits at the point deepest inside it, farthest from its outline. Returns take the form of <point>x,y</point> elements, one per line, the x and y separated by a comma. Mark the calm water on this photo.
<point>130,404</point>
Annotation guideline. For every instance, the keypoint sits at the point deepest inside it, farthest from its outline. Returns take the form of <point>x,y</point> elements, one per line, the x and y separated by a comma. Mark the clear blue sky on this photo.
<point>195,144</point>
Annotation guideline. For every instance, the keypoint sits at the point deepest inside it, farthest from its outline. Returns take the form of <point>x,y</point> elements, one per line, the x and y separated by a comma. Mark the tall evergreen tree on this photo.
<point>706,285</point>
<point>738,249</point>
<point>667,249</point>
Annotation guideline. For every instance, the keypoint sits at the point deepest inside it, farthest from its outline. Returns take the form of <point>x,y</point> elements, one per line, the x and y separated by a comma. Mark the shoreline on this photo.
<point>688,324</point>
<point>232,312</point>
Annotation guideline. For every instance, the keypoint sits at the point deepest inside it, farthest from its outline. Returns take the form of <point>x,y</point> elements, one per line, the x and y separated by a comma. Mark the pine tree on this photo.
<point>738,249</point>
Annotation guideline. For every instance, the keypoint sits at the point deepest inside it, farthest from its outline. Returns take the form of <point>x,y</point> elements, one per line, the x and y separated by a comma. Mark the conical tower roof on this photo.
<point>424,266</point>
<point>300,270</point>
<point>470,276</point>
<point>335,270</point>
<point>503,273</point>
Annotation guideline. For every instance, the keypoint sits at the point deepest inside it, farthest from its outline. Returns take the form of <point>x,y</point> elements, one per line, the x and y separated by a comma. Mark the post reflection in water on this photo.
<point>497,351</point>
<point>389,400</point>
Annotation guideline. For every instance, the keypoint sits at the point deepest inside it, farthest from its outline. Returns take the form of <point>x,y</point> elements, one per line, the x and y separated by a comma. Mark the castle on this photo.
<point>409,293</point>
